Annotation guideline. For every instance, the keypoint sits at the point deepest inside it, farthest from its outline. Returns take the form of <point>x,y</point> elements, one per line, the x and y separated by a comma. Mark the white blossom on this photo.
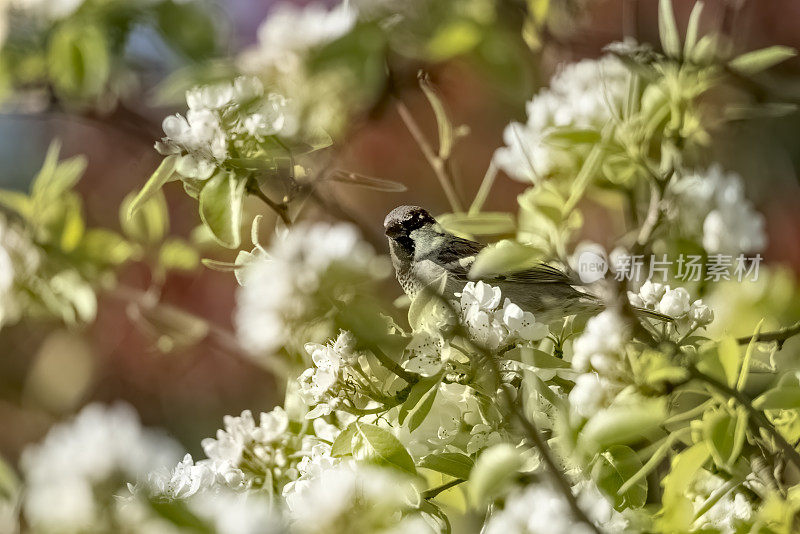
<point>333,364</point>
<point>347,496</point>
<point>290,31</point>
<point>48,9</point>
<point>581,95</point>
<point>279,285</point>
<point>222,115</point>
<point>494,326</point>
<point>541,509</point>
<point>710,205</point>
<point>675,302</point>
<point>601,343</point>
<point>98,447</point>
<point>591,393</point>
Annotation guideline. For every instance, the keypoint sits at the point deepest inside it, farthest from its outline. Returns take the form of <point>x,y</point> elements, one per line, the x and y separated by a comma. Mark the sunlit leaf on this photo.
<point>450,463</point>
<point>377,445</point>
<point>221,208</point>
<point>759,60</point>
<point>164,173</point>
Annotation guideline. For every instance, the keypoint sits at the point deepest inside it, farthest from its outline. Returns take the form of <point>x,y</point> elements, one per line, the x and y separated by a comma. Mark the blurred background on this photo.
<point>48,371</point>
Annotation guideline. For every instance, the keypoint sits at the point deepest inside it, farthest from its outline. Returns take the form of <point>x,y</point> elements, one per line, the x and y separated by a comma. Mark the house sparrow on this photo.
<point>424,254</point>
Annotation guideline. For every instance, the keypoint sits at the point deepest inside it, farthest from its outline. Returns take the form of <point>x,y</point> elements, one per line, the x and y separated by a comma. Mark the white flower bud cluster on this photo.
<point>221,118</point>
<point>494,326</point>
<point>290,31</point>
<point>320,386</point>
<point>675,303</point>
<point>19,258</point>
<point>73,467</point>
<point>243,455</point>
<point>279,284</point>
<point>711,205</point>
<point>582,95</point>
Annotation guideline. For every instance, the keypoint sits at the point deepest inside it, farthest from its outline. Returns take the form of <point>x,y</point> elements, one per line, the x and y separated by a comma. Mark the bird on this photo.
<point>424,255</point>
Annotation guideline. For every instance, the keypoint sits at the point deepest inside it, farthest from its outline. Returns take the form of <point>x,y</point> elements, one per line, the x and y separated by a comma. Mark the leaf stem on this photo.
<point>280,209</point>
<point>436,163</point>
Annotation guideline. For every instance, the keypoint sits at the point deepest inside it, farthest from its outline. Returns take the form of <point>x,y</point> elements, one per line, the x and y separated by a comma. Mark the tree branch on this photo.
<point>778,335</point>
<point>436,163</point>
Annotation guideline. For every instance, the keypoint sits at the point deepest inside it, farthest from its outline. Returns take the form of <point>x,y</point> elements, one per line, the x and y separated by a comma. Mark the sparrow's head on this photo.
<point>403,220</point>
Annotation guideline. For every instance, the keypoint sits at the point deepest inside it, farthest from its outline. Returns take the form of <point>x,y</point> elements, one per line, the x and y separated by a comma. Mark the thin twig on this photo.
<point>778,335</point>
<point>433,492</point>
<point>758,421</point>
<point>282,210</point>
<point>436,163</point>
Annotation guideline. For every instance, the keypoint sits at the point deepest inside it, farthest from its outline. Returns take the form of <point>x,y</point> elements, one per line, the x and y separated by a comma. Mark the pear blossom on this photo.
<point>601,343</point>
<point>591,393</point>
<point>711,205</point>
<point>494,326</point>
<point>232,114</point>
<point>541,509</point>
<point>279,284</point>
<point>581,95</point>
<point>100,446</point>
<point>675,302</point>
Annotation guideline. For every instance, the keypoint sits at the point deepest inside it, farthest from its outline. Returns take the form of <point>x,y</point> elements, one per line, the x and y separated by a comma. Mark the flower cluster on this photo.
<point>582,95</point>
<point>540,509</point>
<point>19,257</point>
<point>348,496</point>
<point>285,39</point>
<point>283,286</point>
<point>494,326</point>
<point>82,461</point>
<point>675,303</point>
<point>226,120</point>
<point>323,385</point>
<point>711,205</point>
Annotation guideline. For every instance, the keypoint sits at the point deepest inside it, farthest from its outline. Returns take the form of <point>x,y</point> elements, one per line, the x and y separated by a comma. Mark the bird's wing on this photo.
<point>460,253</point>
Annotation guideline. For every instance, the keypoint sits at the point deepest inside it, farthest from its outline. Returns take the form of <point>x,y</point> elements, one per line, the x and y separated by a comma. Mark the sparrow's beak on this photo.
<point>394,230</point>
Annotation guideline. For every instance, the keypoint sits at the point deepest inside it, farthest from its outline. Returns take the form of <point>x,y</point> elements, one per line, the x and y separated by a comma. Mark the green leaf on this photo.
<point>221,208</point>
<point>9,482</point>
<point>621,424</point>
<point>677,510</point>
<point>781,398</point>
<point>164,173</point>
<point>450,463</point>
<point>535,357</point>
<point>424,389</point>
<point>483,223</point>
<point>176,512</point>
<point>446,135</point>
<point>107,247</point>
<point>78,60</point>
<point>567,137</point>
<point>725,435</point>
<point>343,444</point>
<point>367,182</point>
<point>759,60</point>
<point>453,39</point>
<point>692,30</point>
<point>177,254</point>
<point>730,357</point>
<point>56,177</point>
<point>18,202</point>
<point>668,29</point>
<point>378,445</point>
<point>149,223</point>
<point>496,467</point>
<point>188,28</point>
<point>72,224</point>
<point>506,256</point>
<point>610,472</point>
<point>748,356</point>
<point>428,303</point>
